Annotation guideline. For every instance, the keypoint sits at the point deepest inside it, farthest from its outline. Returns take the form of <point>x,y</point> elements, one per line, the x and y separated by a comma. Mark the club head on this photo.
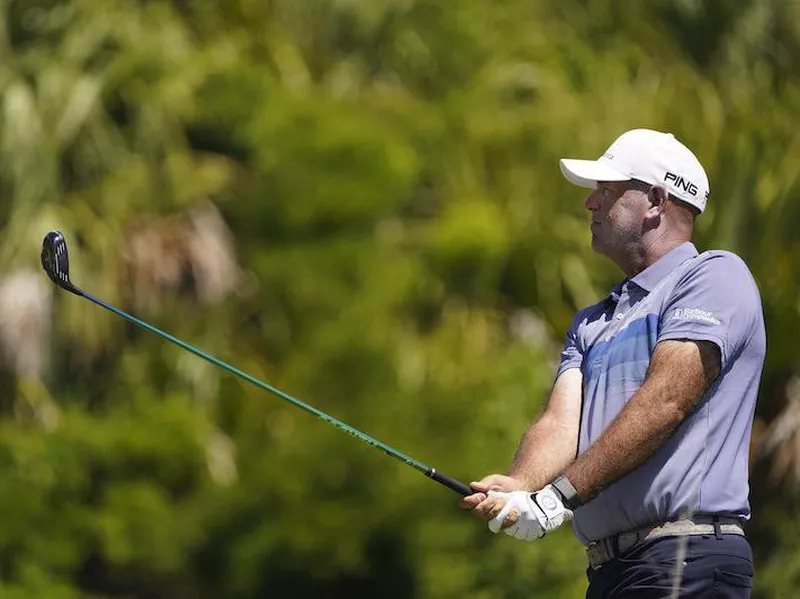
<point>55,260</point>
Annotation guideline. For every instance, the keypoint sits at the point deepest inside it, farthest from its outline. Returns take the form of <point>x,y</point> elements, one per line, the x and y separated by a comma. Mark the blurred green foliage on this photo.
<point>405,256</point>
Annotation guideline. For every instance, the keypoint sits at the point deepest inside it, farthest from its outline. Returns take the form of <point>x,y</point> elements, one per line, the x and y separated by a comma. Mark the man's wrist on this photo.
<point>569,495</point>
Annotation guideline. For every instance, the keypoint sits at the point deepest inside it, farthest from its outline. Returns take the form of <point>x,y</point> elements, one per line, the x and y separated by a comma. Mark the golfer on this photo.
<point>644,441</point>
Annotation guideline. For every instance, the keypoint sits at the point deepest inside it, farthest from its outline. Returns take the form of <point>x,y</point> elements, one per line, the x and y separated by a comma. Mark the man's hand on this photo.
<point>535,514</point>
<point>521,514</point>
<point>486,505</point>
<point>503,501</point>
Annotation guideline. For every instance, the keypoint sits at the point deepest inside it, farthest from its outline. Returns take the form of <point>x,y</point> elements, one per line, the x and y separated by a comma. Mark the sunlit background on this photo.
<point>359,202</point>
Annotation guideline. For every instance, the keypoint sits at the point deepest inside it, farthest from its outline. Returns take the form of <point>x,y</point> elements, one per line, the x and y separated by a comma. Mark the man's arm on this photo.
<point>679,374</point>
<point>549,444</point>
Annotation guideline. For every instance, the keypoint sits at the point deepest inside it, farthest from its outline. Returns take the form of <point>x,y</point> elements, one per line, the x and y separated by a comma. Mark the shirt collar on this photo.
<point>650,276</point>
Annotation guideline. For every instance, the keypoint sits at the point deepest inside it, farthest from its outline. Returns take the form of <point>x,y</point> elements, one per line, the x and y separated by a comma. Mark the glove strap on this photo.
<point>569,495</point>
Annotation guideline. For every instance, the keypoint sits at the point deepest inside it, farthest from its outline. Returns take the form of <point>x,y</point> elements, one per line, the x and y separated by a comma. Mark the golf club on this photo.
<point>55,261</point>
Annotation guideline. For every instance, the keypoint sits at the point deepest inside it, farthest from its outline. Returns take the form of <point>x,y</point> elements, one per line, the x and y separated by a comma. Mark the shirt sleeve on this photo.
<point>717,301</point>
<point>572,353</point>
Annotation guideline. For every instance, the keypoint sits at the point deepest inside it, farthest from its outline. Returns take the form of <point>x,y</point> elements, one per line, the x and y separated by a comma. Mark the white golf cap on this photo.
<point>650,156</point>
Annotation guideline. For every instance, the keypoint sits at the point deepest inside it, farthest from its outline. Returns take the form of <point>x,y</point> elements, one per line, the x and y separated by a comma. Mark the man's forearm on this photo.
<point>552,441</point>
<point>545,450</point>
<point>629,441</point>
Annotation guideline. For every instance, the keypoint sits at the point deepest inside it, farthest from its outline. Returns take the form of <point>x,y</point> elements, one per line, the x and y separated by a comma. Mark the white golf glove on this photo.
<point>539,513</point>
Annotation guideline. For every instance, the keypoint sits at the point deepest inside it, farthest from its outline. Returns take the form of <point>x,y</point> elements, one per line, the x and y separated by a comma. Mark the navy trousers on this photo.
<point>712,567</point>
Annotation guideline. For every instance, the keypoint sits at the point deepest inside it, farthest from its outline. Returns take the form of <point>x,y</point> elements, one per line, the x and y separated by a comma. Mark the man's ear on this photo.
<point>658,196</point>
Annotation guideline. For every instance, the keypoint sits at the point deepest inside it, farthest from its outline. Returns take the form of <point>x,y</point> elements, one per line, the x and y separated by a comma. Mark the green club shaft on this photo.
<point>430,472</point>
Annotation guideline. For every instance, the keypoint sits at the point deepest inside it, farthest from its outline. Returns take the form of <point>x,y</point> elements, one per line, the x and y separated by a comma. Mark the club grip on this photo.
<point>450,483</point>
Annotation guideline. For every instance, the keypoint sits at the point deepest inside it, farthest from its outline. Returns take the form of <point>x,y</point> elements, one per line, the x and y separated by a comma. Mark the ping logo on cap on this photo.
<point>681,183</point>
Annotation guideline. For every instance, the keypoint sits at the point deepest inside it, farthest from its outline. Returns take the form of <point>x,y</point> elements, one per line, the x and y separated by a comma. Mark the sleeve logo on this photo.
<point>695,315</point>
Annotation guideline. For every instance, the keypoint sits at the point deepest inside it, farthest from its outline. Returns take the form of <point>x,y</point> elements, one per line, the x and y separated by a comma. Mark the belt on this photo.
<point>599,552</point>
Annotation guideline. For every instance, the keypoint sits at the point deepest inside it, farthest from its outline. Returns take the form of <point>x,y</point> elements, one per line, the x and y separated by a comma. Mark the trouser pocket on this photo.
<point>732,585</point>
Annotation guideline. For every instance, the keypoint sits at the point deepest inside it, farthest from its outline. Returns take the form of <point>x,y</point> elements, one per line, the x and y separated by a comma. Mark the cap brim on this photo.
<point>586,173</point>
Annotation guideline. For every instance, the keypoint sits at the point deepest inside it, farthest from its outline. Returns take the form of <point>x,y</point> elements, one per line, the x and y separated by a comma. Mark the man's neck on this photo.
<point>639,258</point>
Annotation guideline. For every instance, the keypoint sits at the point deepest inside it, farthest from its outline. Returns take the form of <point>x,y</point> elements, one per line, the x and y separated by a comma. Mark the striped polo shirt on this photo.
<point>703,467</point>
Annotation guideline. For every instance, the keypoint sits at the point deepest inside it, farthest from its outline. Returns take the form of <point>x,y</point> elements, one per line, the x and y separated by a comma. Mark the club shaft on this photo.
<point>428,471</point>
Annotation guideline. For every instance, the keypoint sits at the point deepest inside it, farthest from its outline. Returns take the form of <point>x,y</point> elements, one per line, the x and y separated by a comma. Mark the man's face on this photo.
<point>618,213</point>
